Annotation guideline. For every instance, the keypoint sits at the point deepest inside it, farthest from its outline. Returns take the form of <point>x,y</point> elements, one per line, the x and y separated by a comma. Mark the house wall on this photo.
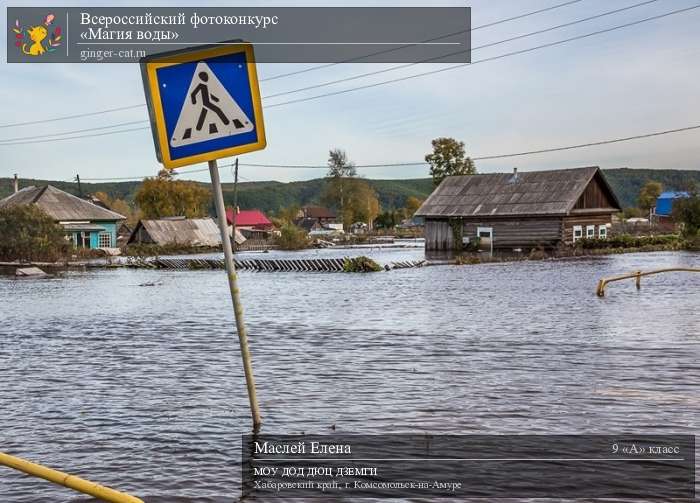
<point>584,221</point>
<point>595,196</point>
<point>518,232</point>
<point>509,233</point>
<point>438,235</point>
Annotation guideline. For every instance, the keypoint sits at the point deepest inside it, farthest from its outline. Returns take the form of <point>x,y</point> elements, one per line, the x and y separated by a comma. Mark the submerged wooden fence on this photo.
<point>262,265</point>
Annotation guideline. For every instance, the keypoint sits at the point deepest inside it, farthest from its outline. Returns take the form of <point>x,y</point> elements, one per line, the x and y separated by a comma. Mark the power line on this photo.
<point>76,116</point>
<point>408,77</point>
<point>436,58</point>
<point>494,23</point>
<point>493,58</point>
<point>131,107</point>
<point>423,163</point>
<point>6,140</point>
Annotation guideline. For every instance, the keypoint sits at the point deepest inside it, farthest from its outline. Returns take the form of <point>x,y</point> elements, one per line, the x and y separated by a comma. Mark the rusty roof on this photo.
<point>185,231</point>
<point>59,205</point>
<point>529,193</point>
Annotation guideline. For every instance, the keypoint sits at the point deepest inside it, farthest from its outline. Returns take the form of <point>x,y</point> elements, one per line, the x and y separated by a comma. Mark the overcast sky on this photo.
<point>631,81</point>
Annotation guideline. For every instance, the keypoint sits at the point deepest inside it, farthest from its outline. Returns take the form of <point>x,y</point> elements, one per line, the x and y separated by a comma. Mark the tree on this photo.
<point>30,234</point>
<point>412,205</point>
<point>448,159</point>
<point>649,194</point>
<point>119,206</point>
<point>163,197</point>
<point>339,179</point>
<point>363,204</point>
<point>686,211</point>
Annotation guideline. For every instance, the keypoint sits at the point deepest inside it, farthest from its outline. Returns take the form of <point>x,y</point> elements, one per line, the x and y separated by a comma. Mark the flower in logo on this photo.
<point>39,39</point>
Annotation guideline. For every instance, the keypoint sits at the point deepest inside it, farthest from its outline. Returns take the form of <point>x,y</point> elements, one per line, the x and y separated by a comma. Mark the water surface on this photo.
<point>141,388</point>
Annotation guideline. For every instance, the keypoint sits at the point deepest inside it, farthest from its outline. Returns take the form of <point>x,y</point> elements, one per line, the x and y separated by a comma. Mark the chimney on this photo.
<point>515,172</point>
<point>16,183</point>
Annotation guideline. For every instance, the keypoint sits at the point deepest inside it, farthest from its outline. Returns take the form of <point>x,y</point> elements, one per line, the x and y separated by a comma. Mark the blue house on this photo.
<point>87,225</point>
<point>664,203</point>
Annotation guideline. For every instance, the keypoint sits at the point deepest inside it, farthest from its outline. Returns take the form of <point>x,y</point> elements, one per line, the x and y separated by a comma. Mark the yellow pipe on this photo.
<point>638,276</point>
<point>66,480</point>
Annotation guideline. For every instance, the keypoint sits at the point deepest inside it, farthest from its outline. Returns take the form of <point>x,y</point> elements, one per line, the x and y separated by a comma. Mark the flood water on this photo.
<point>140,388</point>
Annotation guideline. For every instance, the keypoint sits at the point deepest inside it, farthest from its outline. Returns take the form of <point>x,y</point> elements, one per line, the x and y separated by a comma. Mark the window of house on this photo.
<point>104,240</point>
<point>602,232</point>
<point>590,231</point>
<point>578,232</point>
<point>84,240</point>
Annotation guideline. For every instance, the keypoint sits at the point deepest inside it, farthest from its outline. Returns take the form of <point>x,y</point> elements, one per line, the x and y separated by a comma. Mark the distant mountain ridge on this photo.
<point>270,196</point>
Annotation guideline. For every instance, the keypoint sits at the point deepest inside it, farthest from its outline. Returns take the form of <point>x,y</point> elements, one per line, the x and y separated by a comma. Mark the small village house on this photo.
<point>253,224</point>
<point>519,211</point>
<point>191,232</point>
<point>87,225</point>
<point>318,213</point>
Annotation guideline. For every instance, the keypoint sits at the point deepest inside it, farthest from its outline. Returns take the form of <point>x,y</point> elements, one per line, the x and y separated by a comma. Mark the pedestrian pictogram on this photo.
<point>209,112</point>
<point>204,103</point>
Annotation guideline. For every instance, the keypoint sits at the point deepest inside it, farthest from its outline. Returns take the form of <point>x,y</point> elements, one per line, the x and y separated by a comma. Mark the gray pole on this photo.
<point>235,293</point>
<point>235,206</point>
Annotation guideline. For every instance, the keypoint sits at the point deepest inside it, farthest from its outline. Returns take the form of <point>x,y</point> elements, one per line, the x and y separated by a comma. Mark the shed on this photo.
<point>86,224</point>
<point>194,232</point>
<point>519,210</point>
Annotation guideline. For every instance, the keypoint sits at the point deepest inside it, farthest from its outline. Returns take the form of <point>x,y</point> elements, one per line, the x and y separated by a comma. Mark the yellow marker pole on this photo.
<point>235,292</point>
<point>66,480</point>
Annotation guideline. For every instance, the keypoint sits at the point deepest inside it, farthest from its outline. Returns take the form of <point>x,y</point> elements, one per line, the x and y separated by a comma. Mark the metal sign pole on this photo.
<point>235,292</point>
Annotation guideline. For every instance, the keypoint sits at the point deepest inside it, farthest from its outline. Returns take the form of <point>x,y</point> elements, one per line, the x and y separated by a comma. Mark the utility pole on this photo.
<point>235,292</point>
<point>80,188</point>
<point>235,205</point>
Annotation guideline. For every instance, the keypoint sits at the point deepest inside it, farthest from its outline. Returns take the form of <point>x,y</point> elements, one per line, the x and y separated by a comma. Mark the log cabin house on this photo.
<point>519,211</point>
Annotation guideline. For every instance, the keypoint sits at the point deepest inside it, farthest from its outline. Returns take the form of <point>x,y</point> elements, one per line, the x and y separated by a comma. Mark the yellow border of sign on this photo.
<point>157,109</point>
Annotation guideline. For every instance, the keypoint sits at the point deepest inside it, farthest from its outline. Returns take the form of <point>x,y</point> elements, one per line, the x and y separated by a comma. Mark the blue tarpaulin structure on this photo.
<point>664,203</point>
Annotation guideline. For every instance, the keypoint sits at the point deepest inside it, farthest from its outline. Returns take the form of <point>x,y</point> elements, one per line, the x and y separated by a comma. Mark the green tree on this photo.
<point>649,194</point>
<point>686,211</point>
<point>448,159</point>
<point>164,197</point>
<point>362,204</point>
<point>339,180</point>
<point>291,237</point>
<point>289,214</point>
<point>29,234</point>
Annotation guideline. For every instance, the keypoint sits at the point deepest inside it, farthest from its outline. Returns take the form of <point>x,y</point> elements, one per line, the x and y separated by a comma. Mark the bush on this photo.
<point>361,264</point>
<point>292,238</point>
<point>29,234</point>
<point>686,211</point>
<point>628,241</point>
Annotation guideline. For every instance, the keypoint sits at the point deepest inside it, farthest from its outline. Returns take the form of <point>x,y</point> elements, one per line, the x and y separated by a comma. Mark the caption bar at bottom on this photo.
<point>651,467</point>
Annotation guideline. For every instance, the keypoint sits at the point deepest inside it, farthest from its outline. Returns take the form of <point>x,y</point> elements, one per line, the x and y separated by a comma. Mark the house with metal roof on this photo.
<point>87,225</point>
<point>191,232</point>
<point>519,211</point>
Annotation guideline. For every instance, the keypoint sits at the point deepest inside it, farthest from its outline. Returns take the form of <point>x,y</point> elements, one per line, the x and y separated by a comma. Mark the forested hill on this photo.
<point>271,196</point>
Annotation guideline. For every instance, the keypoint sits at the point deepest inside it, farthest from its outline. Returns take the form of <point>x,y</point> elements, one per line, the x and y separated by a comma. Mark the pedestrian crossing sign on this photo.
<point>203,103</point>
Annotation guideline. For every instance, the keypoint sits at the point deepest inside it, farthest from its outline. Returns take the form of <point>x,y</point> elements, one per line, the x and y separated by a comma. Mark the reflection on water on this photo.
<point>141,387</point>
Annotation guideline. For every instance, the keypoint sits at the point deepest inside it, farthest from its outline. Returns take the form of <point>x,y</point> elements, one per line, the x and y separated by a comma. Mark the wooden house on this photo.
<point>519,211</point>
<point>191,232</point>
<point>86,225</point>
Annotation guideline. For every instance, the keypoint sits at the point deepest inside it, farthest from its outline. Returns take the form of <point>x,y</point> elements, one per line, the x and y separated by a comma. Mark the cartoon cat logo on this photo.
<point>33,40</point>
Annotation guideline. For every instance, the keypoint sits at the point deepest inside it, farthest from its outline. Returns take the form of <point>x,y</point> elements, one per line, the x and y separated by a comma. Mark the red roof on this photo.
<point>248,218</point>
